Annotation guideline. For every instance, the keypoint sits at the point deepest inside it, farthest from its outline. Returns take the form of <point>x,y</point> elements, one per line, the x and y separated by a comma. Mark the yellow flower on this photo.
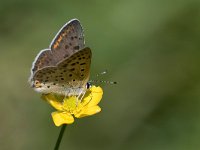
<point>67,107</point>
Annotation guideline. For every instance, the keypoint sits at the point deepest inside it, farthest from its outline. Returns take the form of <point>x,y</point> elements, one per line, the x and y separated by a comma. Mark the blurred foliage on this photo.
<point>151,48</point>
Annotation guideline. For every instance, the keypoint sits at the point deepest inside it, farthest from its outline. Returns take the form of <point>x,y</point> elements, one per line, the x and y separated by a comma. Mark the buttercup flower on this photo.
<point>68,107</point>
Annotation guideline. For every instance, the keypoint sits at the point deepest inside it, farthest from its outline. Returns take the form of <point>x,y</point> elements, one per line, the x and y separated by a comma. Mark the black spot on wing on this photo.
<point>66,46</point>
<point>76,47</point>
<point>73,64</point>
<point>82,64</point>
<point>66,55</point>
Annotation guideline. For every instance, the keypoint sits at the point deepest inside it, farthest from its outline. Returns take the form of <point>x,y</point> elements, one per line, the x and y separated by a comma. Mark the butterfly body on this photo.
<point>64,68</point>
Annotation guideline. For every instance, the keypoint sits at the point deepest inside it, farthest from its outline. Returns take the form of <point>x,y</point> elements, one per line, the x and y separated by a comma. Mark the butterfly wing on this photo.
<point>78,64</point>
<point>43,59</point>
<point>72,72</point>
<point>68,40</point>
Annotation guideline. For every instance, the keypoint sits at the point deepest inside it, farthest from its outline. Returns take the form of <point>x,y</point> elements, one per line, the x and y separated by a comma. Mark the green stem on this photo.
<point>60,137</point>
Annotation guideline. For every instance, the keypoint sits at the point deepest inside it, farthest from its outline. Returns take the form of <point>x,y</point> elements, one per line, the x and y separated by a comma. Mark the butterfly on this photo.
<point>63,68</point>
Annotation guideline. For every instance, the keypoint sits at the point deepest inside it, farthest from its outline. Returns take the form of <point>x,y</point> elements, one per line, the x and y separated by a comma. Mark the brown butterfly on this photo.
<point>63,68</point>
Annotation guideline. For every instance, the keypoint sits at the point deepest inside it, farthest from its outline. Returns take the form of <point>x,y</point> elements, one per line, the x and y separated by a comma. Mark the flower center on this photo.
<point>70,104</point>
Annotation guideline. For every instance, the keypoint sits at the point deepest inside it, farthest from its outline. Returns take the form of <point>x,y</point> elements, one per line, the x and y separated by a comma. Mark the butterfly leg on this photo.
<point>82,94</point>
<point>67,93</point>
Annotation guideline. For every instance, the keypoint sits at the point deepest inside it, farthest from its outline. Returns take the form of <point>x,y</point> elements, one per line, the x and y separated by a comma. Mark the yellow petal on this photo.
<point>95,96</point>
<point>53,101</point>
<point>88,111</point>
<point>60,118</point>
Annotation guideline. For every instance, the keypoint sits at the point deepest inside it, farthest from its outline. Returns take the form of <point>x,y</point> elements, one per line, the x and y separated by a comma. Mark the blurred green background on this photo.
<point>151,48</point>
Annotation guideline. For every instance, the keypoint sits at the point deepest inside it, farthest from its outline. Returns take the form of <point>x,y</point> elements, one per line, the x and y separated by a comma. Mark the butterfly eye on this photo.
<point>88,85</point>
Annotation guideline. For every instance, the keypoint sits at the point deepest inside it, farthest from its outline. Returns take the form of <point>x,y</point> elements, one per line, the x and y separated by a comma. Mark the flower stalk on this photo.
<point>60,137</point>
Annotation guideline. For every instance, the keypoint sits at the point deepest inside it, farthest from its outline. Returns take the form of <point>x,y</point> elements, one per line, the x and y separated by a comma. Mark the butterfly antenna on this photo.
<point>100,81</point>
<point>101,73</point>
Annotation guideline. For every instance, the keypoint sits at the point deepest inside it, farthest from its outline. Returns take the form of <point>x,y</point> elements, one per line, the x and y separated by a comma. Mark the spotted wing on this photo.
<point>68,40</point>
<point>43,59</point>
<point>78,64</point>
<point>72,72</point>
